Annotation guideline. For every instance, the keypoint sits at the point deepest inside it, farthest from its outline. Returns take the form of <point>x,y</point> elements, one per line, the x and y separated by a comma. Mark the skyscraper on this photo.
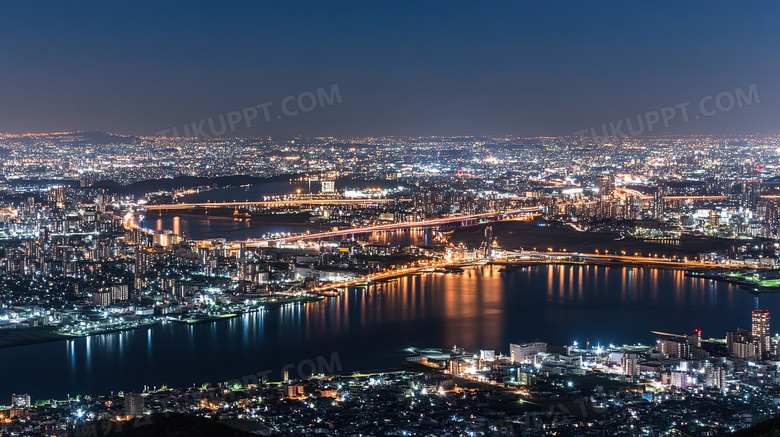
<point>134,404</point>
<point>487,245</point>
<point>606,186</point>
<point>751,193</point>
<point>658,203</point>
<point>761,332</point>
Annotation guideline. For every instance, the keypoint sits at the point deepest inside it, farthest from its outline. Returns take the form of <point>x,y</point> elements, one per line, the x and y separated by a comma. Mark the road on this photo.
<point>270,204</point>
<point>392,226</point>
<point>637,259</point>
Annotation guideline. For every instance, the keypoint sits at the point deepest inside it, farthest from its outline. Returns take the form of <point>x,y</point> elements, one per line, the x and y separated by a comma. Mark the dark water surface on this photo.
<point>369,328</point>
<point>204,227</point>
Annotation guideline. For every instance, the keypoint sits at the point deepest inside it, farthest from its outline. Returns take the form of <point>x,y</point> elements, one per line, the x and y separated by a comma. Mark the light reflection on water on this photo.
<point>368,327</point>
<point>200,227</point>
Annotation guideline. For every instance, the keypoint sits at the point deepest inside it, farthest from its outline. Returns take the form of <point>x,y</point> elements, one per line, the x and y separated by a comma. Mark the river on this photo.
<point>481,307</point>
<point>204,227</point>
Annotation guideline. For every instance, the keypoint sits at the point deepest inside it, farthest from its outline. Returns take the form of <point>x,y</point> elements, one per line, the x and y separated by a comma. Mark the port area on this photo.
<point>753,280</point>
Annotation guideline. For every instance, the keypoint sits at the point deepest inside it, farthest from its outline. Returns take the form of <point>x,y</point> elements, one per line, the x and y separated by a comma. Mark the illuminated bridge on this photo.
<point>464,219</point>
<point>271,203</point>
<point>706,197</point>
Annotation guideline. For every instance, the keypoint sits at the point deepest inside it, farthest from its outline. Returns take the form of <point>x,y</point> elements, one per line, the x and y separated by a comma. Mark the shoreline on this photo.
<point>37,335</point>
<point>46,334</point>
<point>745,285</point>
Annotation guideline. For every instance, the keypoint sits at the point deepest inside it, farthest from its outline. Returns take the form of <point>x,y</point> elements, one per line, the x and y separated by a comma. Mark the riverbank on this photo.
<point>539,235</point>
<point>371,328</point>
<point>141,324</point>
<point>43,334</point>
<point>606,262</point>
<point>24,336</point>
<point>28,336</point>
<point>756,281</point>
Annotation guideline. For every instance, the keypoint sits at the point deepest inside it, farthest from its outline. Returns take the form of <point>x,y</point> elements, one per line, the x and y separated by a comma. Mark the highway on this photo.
<point>630,192</point>
<point>694,197</point>
<point>624,192</point>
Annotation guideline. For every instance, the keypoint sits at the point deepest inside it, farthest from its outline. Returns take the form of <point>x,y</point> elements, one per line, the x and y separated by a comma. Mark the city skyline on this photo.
<point>389,218</point>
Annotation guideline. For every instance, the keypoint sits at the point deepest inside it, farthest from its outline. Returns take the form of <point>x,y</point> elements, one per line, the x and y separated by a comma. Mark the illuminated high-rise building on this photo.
<point>629,364</point>
<point>751,193</point>
<point>695,339</point>
<point>606,186</point>
<point>134,404</point>
<point>761,332</point>
<point>658,203</point>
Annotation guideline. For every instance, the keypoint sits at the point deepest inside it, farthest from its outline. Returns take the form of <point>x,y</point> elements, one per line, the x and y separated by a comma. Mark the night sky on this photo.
<point>402,68</point>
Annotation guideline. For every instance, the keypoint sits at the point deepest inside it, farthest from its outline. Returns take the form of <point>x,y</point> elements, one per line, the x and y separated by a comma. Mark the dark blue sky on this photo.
<point>402,68</point>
